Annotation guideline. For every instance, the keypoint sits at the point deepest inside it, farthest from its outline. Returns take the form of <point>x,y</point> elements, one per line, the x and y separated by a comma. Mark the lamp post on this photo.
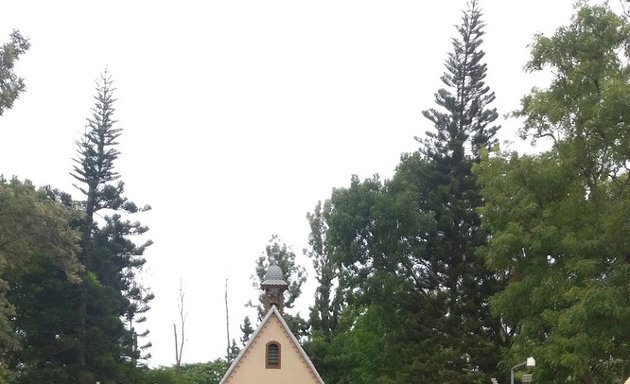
<point>530,363</point>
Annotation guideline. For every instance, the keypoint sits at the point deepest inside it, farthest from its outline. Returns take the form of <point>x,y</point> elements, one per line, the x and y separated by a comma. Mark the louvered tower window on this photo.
<point>272,358</point>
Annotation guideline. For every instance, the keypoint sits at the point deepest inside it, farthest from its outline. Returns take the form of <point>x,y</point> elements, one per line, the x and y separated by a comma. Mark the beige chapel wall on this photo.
<point>251,368</point>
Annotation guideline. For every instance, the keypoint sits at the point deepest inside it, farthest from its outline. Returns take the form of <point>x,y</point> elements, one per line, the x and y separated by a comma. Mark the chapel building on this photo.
<point>273,355</point>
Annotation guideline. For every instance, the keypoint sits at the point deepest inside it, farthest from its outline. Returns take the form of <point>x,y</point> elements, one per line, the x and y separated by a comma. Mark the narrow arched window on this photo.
<point>272,355</point>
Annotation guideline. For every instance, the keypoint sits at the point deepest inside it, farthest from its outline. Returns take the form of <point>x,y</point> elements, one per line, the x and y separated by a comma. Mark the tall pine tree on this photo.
<point>110,290</point>
<point>87,331</point>
<point>417,293</point>
<point>464,123</point>
<point>470,338</point>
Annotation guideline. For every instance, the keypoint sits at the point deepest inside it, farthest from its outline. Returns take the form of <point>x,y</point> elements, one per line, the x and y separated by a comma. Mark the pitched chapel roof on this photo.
<point>272,312</point>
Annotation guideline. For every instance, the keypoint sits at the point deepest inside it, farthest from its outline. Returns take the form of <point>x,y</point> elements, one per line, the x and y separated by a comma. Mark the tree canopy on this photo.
<point>11,85</point>
<point>465,262</point>
<point>560,219</point>
<point>33,226</point>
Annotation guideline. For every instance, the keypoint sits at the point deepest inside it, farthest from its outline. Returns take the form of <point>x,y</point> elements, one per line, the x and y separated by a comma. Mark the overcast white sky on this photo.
<point>239,116</point>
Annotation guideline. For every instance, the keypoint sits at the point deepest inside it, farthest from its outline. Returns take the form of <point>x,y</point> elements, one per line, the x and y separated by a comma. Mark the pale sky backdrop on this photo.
<point>239,116</point>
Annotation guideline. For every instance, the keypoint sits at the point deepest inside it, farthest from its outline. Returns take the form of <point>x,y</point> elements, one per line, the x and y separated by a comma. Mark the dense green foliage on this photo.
<point>10,84</point>
<point>416,292</point>
<point>433,293</point>
<point>324,316</point>
<point>199,373</point>
<point>76,298</point>
<point>560,220</point>
<point>109,254</point>
<point>34,229</point>
<point>294,274</point>
<point>464,263</point>
<point>247,330</point>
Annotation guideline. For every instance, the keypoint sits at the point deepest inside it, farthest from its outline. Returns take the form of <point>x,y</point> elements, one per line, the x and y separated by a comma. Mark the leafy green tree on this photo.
<point>364,227</point>
<point>560,219</point>
<point>42,296</point>
<point>199,373</point>
<point>203,373</point>
<point>10,84</point>
<point>232,352</point>
<point>325,312</point>
<point>294,274</point>
<point>247,330</point>
<point>329,295</point>
<point>161,375</point>
<point>359,352</point>
<point>34,228</point>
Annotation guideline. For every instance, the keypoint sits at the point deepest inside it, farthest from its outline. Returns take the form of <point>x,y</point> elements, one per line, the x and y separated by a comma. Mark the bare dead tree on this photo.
<point>179,343</point>
<point>227,318</point>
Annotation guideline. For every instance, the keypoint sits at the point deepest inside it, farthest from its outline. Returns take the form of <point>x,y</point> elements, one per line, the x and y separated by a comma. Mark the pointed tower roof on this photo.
<point>274,276</point>
<point>274,286</point>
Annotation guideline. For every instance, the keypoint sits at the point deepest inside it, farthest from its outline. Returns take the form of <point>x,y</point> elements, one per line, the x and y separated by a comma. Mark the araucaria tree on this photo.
<point>87,330</point>
<point>464,122</point>
<point>464,125</point>
<point>416,293</point>
<point>112,259</point>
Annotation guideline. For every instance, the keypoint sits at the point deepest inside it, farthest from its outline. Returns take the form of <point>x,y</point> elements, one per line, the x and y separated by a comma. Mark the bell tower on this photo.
<point>274,287</point>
